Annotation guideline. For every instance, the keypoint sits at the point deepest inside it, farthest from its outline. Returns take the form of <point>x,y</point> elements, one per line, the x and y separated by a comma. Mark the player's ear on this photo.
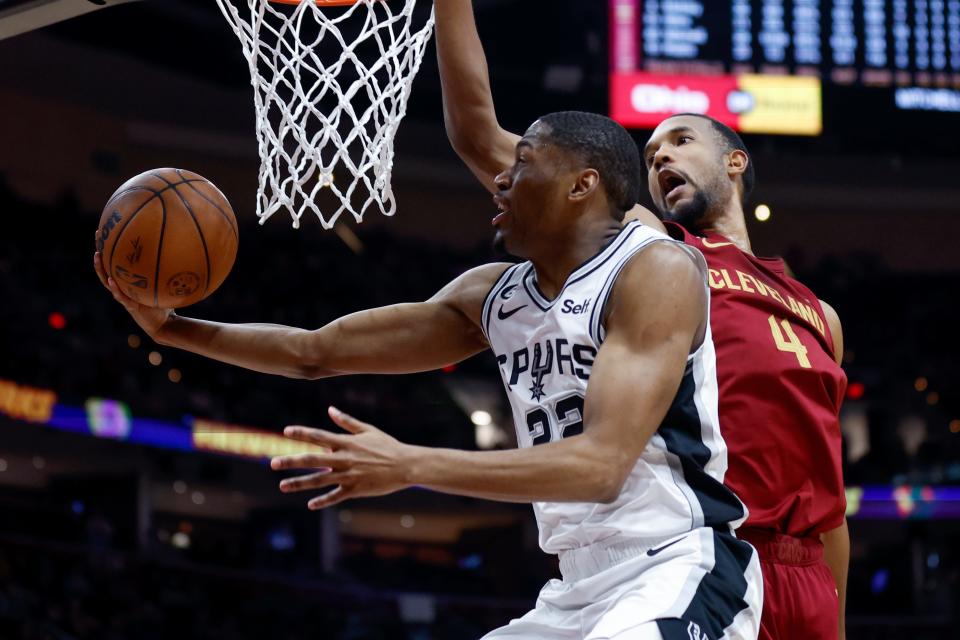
<point>737,161</point>
<point>586,184</point>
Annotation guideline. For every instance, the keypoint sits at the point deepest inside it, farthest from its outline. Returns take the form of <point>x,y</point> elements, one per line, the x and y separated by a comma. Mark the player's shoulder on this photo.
<point>486,276</point>
<point>830,313</point>
<point>472,286</point>
<point>832,319</point>
<point>661,290</point>
<point>467,293</point>
<point>486,273</point>
<point>660,267</point>
<point>646,217</point>
<point>664,257</point>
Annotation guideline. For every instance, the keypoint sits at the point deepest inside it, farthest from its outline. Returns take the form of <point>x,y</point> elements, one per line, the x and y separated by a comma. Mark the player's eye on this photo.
<point>683,140</point>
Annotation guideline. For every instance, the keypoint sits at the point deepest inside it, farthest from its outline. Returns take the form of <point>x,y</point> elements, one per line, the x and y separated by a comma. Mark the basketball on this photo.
<point>168,237</point>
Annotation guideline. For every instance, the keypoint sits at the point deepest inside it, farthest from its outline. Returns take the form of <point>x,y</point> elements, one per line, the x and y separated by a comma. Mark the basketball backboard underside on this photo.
<point>21,16</point>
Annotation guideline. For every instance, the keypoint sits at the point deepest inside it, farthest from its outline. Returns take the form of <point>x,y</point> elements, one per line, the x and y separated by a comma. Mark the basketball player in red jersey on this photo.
<point>780,381</point>
<point>778,346</point>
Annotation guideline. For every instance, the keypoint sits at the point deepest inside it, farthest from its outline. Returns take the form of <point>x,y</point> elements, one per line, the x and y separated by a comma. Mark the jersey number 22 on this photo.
<point>568,414</point>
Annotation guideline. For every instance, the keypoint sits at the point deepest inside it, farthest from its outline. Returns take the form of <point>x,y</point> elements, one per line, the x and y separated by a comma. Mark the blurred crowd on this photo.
<point>67,592</point>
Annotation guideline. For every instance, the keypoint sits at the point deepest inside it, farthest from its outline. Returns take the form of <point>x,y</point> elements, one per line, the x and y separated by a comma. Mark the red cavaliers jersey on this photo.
<point>780,390</point>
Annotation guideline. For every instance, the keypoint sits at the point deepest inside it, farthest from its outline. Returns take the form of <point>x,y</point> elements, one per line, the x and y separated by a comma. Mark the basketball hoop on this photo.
<point>331,80</point>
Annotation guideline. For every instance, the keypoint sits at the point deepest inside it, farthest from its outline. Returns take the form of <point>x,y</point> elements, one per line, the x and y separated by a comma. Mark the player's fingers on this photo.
<point>316,480</point>
<point>348,422</point>
<point>115,290</point>
<point>304,461</point>
<point>332,441</point>
<point>118,295</point>
<point>98,267</point>
<point>335,496</point>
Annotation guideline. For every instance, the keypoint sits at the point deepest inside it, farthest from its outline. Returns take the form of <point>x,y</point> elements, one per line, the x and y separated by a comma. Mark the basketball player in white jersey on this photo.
<point>603,342</point>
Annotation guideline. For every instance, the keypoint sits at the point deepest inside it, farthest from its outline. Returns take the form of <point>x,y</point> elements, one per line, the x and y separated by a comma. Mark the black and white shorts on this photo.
<point>702,585</point>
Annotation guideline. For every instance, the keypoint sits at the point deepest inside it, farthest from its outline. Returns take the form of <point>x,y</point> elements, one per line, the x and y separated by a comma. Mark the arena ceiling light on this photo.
<point>481,418</point>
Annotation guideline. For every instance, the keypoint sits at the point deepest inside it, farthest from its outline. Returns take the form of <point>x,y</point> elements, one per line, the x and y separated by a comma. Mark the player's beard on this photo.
<point>697,213</point>
<point>690,214</point>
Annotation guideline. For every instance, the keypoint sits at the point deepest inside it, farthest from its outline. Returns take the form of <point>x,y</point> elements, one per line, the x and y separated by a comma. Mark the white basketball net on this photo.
<point>330,89</point>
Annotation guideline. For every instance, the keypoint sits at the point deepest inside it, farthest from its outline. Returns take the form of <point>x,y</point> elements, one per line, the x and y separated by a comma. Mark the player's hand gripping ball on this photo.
<point>168,238</point>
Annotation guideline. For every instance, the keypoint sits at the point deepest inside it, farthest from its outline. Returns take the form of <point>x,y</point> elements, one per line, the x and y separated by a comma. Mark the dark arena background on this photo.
<point>135,498</point>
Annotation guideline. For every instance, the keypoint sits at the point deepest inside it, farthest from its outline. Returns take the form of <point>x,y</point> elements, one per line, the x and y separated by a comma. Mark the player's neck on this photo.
<point>732,225</point>
<point>563,255</point>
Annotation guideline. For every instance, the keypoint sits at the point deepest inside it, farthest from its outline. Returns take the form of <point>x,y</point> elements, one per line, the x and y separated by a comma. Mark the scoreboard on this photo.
<point>765,65</point>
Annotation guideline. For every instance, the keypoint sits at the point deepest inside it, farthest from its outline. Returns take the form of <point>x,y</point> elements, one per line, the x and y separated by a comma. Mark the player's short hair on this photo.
<point>603,145</point>
<point>731,141</point>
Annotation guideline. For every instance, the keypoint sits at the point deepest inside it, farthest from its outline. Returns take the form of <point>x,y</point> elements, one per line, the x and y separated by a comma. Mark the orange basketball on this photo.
<point>168,237</point>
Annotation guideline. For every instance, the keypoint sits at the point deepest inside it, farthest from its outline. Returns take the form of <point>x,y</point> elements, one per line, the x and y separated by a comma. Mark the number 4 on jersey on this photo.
<point>791,343</point>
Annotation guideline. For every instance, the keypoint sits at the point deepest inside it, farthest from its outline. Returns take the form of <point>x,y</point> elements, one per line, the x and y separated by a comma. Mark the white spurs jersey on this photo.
<point>546,350</point>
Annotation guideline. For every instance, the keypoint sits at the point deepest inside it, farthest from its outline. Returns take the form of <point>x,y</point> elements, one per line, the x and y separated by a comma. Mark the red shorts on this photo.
<point>799,593</point>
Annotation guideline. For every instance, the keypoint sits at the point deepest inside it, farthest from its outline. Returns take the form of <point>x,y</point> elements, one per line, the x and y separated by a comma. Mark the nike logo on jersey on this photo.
<point>715,245</point>
<point>653,552</point>
<point>504,315</point>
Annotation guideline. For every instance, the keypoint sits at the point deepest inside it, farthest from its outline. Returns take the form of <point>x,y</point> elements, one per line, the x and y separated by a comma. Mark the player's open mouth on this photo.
<point>502,210</point>
<point>670,182</point>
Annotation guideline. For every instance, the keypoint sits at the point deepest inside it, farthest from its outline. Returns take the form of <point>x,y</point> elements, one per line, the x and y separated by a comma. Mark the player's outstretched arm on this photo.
<point>468,110</point>
<point>657,316</point>
<point>469,113</point>
<point>402,338</point>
